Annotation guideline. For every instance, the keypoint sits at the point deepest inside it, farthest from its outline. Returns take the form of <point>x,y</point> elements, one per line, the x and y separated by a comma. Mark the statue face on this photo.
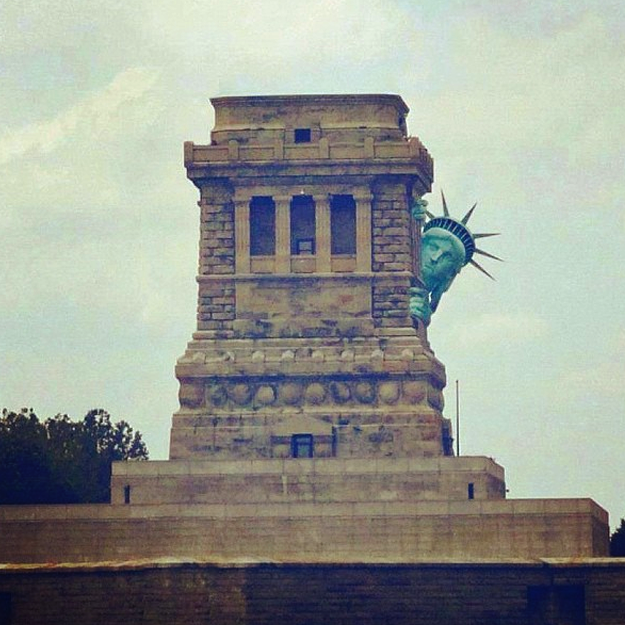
<point>442,257</point>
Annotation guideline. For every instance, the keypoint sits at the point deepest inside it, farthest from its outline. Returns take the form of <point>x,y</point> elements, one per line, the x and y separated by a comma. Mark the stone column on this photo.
<point>363,231</point>
<point>242,233</point>
<point>283,233</point>
<point>322,233</point>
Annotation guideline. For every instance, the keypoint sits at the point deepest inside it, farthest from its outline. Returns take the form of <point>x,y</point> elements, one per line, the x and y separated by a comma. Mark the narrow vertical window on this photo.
<point>471,490</point>
<point>302,226</point>
<point>127,494</point>
<point>343,225</point>
<point>262,227</point>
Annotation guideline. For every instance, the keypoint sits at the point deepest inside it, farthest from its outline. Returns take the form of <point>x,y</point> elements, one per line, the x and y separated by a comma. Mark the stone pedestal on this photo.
<point>310,427</point>
<point>305,343</point>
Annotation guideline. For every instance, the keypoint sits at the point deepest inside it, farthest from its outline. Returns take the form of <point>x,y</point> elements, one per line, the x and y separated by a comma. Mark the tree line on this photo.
<point>59,460</point>
<point>63,461</point>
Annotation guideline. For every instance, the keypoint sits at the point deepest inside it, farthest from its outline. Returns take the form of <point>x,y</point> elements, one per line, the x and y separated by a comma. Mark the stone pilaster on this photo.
<point>363,231</point>
<point>216,230</point>
<point>216,298</point>
<point>283,233</point>
<point>391,227</point>
<point>242,233</point>
<point>322,227</point>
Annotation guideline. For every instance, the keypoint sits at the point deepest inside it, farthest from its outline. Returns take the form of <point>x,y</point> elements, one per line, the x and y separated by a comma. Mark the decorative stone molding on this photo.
<point>301,392</point>
<point>315,393</point>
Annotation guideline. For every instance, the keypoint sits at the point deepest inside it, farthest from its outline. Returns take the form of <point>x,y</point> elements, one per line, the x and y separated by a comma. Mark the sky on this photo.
<point>520,104</point>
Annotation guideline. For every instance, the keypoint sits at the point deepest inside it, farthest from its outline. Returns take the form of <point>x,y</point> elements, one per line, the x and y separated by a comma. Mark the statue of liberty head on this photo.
<point>447,245</point>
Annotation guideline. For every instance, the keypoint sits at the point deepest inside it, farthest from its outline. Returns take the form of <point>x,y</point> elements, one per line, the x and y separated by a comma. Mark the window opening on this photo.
<point>127,494</point>
<point>302,135</point>
<point>5,608</point>
<point>556,604</point>
<point>262,226</point>
<point>302,445</point>
<point>302,226</point>
<point>471,490</point>
<point>343,225</point>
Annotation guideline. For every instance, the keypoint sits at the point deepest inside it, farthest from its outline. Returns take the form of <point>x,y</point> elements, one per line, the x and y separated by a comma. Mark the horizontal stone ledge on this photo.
<point>396,276</point>
<point>352,562</point>
<point>308,466</point>
<point>548,509</point>
<point>325,150</point>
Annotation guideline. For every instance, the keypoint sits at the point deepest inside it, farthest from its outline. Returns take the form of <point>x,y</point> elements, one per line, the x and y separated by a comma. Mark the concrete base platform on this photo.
<point>314,532</point>
<point>545,592</point>
<point>307,480</point>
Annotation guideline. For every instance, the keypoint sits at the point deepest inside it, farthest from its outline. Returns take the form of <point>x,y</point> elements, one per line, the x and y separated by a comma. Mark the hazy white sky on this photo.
<point>520,103</point>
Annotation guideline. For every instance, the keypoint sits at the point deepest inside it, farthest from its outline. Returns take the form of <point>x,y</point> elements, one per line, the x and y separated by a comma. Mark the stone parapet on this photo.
<point>307,532</point>
<point>320,480</point>
<point>239,152</point>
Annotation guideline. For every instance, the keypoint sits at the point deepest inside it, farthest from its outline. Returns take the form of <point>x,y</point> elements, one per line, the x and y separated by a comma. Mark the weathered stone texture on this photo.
<point>396,531</point>
<point>216,305</point>
<point>391,232</point>
<point>307,333</point>
<point>216,230</point>
<point>391,303</point>
<point>512,593</point>
<point>318,480</point>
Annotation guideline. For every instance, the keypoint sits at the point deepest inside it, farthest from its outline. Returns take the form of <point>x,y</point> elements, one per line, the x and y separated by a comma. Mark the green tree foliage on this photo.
<point>60,460</point>
<point>617,541</point>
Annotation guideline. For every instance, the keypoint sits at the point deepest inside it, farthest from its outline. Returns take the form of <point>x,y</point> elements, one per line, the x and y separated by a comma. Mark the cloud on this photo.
<point>601,375</point>
<point>93,116</point>
<point>606,380</point>
<point>498,328</point>
<point>296,46</point>
<point>522,93</point>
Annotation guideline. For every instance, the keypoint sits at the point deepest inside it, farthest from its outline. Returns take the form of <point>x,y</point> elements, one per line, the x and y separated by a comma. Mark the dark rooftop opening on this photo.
<point>302,135</point>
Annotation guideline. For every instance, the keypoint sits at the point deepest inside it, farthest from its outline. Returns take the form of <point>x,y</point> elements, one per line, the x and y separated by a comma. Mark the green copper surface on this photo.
<point>447,245</point>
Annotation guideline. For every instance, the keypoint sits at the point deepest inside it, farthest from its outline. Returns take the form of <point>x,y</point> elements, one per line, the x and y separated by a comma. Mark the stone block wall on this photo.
<point>378,531</point>
<point>391,252</point>
<point>391,244</point>
<point>512,593</point>
<point>216,300</point>
<point>217,229</point>
<point>390,302</point>
<point>216,307</point>
<point>322,480</point>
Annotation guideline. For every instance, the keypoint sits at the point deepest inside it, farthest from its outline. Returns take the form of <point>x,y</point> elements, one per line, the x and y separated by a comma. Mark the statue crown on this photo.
<point>458,229</point>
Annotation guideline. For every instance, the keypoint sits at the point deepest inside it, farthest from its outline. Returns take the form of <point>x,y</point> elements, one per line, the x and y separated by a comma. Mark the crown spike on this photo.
<point>459,229</point>
<point>483,253</point>
<point>445,209</point>
<point>477,266</point>
<point>430,215</point>
<point>466,218</point>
